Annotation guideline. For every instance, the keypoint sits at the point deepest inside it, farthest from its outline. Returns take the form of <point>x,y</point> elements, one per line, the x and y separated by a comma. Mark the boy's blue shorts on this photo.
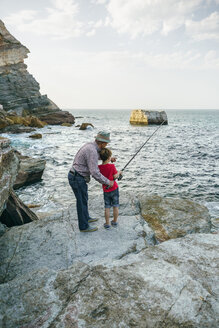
<point>111,198</point>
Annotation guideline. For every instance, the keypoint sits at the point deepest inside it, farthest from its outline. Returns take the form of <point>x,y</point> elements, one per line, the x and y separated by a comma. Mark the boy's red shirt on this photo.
<point>108,170</point>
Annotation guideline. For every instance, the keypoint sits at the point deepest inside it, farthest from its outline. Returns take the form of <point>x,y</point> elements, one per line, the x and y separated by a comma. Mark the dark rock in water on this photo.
<point>19,90</point>
<point>17,128</point>
<point>16,212</point>
<point>147,117</point>
<point>85,125</point>
<point>30,170</point>
<point>57,118</point>
<point>36,136</point>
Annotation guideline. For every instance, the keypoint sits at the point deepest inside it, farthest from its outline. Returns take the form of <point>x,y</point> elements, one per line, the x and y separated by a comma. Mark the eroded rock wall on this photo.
<point>19,91</point>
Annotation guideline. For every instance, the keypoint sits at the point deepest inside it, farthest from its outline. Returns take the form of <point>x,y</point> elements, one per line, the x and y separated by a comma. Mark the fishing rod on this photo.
<point>120,176</point>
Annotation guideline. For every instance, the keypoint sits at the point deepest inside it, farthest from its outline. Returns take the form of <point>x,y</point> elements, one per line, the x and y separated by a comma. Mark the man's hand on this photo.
<point>113,159</point>
<point>111,183</point>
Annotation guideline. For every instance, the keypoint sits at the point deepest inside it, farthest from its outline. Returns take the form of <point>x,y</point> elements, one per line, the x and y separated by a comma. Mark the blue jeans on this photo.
<point>79,188</point>
<point>111,198</point>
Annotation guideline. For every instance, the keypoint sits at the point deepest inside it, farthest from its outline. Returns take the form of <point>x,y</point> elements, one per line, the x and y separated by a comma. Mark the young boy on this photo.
<point>111,194</point>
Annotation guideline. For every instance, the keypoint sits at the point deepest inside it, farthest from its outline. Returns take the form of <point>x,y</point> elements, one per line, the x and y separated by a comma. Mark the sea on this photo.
<point>180,160</point>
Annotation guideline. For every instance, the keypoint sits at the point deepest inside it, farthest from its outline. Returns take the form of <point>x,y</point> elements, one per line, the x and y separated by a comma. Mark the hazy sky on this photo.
<point>155,54</point>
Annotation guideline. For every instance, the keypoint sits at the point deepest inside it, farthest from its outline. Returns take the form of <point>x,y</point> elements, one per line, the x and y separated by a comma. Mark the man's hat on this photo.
<point>103,136</point>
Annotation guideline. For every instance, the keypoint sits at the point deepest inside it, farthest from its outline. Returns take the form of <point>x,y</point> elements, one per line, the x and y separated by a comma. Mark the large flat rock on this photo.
<point>174,284</point>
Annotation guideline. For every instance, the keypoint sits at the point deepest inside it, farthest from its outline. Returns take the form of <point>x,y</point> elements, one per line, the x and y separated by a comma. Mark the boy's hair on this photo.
<point>105,153</point>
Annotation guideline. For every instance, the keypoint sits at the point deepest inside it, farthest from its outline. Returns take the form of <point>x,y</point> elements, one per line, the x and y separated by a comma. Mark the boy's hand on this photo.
<point>120,175</point>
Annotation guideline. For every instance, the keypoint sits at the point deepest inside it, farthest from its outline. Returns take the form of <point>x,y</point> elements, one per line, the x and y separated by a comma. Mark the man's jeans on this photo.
<point>79,188</point>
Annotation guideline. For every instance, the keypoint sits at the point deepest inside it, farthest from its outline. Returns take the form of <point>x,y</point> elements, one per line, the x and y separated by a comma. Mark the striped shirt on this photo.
<point>86,162</point>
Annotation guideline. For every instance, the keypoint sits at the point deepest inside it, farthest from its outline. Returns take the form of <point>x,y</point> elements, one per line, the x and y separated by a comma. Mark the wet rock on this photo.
<point>36,136</point>
<point>30,170</point>
<point>57,118</point>
<point>17,128</point>
<point>84,126</point>
<point>146,117</point>
<point>173,218</point>
<point>66,124</point>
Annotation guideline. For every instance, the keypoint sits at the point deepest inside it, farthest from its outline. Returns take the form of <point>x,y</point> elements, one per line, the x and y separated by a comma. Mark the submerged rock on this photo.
<point>146,117</point>
<point>85,126</point>
<point>36,136</point>
<point>173,218</point>
<point>19,90</point>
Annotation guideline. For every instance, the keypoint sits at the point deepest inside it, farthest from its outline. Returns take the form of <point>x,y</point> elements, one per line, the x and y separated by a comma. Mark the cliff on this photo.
<point>145,117</point>
<point>19,91</point>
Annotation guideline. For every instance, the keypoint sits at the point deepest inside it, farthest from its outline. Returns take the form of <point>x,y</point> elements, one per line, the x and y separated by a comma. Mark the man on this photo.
<point>86,164</point>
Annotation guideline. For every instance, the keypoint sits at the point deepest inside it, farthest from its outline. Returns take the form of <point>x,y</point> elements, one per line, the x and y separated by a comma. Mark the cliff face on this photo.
<point>19,91</point>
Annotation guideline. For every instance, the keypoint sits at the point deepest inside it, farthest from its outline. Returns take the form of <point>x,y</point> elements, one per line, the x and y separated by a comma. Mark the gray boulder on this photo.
<point>30,170</point>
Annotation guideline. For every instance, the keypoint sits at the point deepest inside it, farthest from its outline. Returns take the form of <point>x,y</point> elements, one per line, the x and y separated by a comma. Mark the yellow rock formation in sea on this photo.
<point>138,117</point>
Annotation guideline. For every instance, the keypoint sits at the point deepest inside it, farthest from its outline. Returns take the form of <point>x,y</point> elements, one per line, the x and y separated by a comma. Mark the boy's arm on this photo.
<point>115,176</point>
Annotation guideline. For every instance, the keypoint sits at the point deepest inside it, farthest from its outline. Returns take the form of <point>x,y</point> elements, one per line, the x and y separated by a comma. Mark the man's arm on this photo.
<point>92,163</point>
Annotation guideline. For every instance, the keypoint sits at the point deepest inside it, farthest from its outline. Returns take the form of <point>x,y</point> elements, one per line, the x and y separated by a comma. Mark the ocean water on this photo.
<point>180,160</point>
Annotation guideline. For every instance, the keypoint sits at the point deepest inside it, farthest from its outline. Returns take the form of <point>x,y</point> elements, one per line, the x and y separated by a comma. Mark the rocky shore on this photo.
<point>158,268</point>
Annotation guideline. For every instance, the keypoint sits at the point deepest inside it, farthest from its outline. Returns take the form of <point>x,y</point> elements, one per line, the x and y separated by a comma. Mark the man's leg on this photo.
<point>79,188</point>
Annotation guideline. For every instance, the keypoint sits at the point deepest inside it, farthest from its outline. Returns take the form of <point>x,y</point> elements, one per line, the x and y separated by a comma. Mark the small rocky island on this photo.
<point>147,117</point>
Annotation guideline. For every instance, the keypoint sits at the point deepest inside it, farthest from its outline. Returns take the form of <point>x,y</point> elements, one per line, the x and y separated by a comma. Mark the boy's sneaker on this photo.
<point>90,220</point>
<point>89,229</point>
<point>106,226</point>
<point>114,224</point>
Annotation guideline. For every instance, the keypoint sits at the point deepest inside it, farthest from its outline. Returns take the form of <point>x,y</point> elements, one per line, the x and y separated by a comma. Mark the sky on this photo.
<point>120,54</point>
